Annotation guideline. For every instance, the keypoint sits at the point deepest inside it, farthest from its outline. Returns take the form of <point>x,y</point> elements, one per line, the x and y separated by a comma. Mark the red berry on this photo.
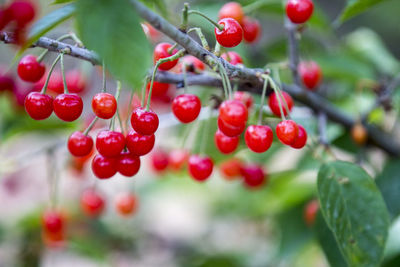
<point>310,212</point>
<point>258,138</point>
<point>126,203</point>
<point>233,112</point>
<point>231,35</point>
<point>22,12</point>
<point>225,144</point>
<point>230,168</point>
<point>310,73</point>
<point>75,81</point>
<point>161,51</point>
<point>38,106</point>
<point>6,82</point>
<point>104,167</point>
<point>200,168</point>
<point>253,175</point>
<point>251,29</point>
<point>186,107</point>
<point>273,103</point>
<point>159,89</point>
<point>68,107</point>
<point>231,10</point>
<point>128,164</point>
<point>192,64</point>
<point>287,132</point>
<point>104,105</point>
<point>159,160</point>
<point>177,159</point>
<point>92,203</point>
<point>144,122</point>
<point>232,57</point>
<point>5,17</point>
<point>52,221</point>
<point>230,130</point>
<point>139,145</point>
<point>80,145</point>
<point>110,143</point>
<point>245,97</point>
<point>30,70</point>
<point>299,11</point>
<point>301,138</point>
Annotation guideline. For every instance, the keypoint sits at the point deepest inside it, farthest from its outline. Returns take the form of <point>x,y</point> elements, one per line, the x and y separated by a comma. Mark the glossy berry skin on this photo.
<point>159,89</point>
<point>310,212</point>
<point>359,134</point>
<point>68,107</point>
<point>126,204</point>
<point>75,81</point>
<point>30,70</point>
<point>161,51</point>
<point>200,168</point>
<point>231,35</point>
<point>273,103</point>
<point>104,167</point>
<point>22,12</point>
<point>128,164</point>
<point>251,29</point>
<point>192,64</point>
<point>186,107</point>
<point>110,143</point>
<point>244,97</point>
<point>139,145</point>
<point>299,11</point>
<point>232,57</point>
<point>38,106</point>
<point>92,203</point>
<point>80,145</point>
<point>177,159</point>
<point>225,144</point>
<point>301,138</point>
<point>230,130</point>
<point>52,221</point>
<point>230,169</point>
<point>233,112</point>
<point>159,160</point>
<point>231,10</point>
<point>253,175</point>
<point>104,105</point>
<point>258,138</point>
<point>144,122</point>
<point>310,74</point>
<point>287,132</point>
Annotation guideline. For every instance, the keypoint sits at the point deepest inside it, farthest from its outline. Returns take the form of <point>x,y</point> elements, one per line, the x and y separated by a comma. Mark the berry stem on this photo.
<point>264,91</point>
<point>48,75</point>
<point>273,85</point>
<point>202,38</point>
<point>217,49</point>
<point>104,77</point>
<point>277,78</point>
<point>76,39</point>
<point>171,49</point>
<point>223,81</point>
<point>184,23</point>
<point>225,77</point>
<point>87,130</point>
<point>219,26</point>
<point>63,74</point>
<point>61,38</point>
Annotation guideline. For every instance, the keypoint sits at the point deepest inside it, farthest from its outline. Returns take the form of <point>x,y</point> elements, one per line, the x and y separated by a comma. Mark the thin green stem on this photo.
<point>63,74</point>
<point>87,130</point>
<point>273,85</point>
<point>219,26</point>
<point>277,78</point>
<point>264,91</point>
<point>171,49</point>
<point>104,77</point>
<point>217,49</point>
<point>76,39</point>
<point>223,81</point>
<point>202,38</point>
<point>50,72</point>
<point>184,23</point>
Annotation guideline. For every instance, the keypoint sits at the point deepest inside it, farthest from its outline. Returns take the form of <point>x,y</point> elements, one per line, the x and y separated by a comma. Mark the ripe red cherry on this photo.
<point>233,112</point>
<point>144,122</point>
<point>258,138</point>
<point>230,130</point>
<point>68,107</point>
<point>139,145</point>
<point>231,10</point>
<point>310,73</point>
<point>177,159</point>
<point>287,132</point>
<point>310,212</point>
<point>110,143</point>
<point>274,103</point>
<point>301,138</point>
<point>253,175</point>
<point>186,107</point>
<point>200,168</point>
<point>92,203</point>
<point>251,29</point>
<point>192,64</point>
<point>230,168</point>
<point>22,12</point>
<point>75,81</point>
<point>159,89</point>
<point>232,57</point>
<point>299,11</point>
<point>161,51</point>
<point>30,70</point>
<point>52,221</point>
<point>80,145</point>
<point>225,144</point>
<point>104,167</point>
<point>231,35</point>
<point>244,97</point>
<point>126,204</point>
<point>128,164</point>
<point>104,105</point>
<point>38,106</point>
<point>159,160</point>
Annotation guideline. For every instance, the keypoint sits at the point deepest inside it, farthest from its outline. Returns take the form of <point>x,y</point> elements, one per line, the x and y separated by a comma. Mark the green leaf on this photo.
<point>355,7</point>
<point>355,211</point>
<point>388,181</point>
<point>56,2</point>
<point>112,29</point>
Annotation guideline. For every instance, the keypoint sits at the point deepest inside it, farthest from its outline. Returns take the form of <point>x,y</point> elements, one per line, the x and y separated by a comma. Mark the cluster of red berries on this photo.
<point>17,15</point>
<point>253,175</point>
